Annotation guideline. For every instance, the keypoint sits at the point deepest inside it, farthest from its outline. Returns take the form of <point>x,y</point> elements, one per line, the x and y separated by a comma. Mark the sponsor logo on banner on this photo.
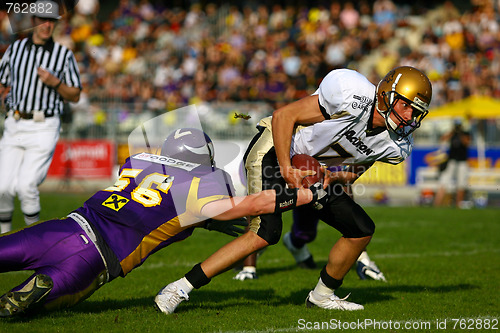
<point>83,159</point>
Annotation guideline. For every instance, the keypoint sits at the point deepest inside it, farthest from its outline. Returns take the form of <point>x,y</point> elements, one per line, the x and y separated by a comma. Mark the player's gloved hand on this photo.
<point>320,196</point>
<point>228,227</point>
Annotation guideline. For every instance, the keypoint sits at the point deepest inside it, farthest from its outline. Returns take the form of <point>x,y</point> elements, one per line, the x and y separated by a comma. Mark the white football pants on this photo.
<point>26,151</point>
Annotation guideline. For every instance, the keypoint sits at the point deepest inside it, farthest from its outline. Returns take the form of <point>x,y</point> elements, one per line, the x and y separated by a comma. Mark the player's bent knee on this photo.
<point>308,237</point>
<point>274,239</point>
<point>364,227</point>
<point>270,237</point>
<point>268,227</point>
<point>363,241</point>
<point>359,242</point>
<point>257,241</point>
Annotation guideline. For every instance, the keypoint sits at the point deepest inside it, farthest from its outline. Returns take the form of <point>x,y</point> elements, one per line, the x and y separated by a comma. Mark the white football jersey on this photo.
<point>347,98</point>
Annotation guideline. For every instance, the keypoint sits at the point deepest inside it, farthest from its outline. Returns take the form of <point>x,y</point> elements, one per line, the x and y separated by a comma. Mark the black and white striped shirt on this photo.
<point>18,69</point>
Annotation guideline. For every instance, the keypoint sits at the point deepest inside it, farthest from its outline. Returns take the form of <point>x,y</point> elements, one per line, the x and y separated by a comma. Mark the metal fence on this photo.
<point>115,121</point>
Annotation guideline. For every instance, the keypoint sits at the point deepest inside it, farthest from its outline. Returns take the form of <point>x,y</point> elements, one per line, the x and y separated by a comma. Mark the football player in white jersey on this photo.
<point>347,122</point>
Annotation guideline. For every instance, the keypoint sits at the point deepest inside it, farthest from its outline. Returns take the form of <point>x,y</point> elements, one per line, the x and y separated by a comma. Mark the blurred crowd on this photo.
<point>160,58</point>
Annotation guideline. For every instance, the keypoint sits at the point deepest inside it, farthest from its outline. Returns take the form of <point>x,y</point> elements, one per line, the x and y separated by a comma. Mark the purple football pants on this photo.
<point>305,225</point>
<point>61,250</point>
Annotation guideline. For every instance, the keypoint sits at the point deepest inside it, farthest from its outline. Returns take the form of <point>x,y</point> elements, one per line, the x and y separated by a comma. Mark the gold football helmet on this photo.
<point>412,86</point>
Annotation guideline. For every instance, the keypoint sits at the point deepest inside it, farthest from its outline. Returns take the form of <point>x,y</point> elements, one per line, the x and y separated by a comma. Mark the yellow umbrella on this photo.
<point>473,107</point>
<point>478,107</point>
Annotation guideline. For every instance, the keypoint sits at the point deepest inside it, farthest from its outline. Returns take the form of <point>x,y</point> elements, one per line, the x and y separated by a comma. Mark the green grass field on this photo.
<point>442,267</point>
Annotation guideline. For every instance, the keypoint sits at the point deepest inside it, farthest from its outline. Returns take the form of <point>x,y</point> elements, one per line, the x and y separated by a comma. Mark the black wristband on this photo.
<point>57,85</point>
<point>286,199</point>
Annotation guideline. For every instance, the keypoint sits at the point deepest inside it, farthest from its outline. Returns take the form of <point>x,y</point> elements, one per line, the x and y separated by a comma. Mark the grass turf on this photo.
<point>442,268</point>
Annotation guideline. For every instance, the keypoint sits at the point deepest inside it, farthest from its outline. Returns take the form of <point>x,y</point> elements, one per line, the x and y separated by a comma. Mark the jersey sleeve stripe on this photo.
<point>323,111</point>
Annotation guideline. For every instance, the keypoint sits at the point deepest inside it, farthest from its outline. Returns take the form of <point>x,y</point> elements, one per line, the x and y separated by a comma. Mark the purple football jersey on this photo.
<point>155,202</point>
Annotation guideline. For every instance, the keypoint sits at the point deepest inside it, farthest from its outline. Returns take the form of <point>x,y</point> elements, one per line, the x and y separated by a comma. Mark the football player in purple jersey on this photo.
<point>348,122</point>
<point>157,200</point>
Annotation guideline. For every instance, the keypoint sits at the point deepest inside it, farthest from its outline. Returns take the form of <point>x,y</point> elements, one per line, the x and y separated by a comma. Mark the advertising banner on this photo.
<point>89,159</point>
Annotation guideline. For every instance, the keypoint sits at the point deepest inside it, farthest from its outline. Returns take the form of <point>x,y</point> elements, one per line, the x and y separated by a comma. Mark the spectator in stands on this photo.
<point>162,35</point>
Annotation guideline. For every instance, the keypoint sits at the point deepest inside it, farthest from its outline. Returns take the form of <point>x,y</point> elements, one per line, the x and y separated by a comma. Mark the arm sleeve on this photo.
<point>71,72</point>
<point>212,187</point>
<point>330,95</point>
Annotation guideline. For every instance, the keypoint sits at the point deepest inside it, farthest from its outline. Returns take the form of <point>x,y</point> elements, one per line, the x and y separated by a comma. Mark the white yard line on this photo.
<point>375,256</point>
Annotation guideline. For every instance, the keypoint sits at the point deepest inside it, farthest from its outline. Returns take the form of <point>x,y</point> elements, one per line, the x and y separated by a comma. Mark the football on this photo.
<point>306,162</point>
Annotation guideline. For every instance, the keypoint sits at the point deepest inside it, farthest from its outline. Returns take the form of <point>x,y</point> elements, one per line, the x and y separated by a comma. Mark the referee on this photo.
<point>36,76</point>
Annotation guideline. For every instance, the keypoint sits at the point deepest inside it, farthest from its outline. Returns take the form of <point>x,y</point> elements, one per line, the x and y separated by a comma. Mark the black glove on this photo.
<point>320,197</point>
<point>228,227</point>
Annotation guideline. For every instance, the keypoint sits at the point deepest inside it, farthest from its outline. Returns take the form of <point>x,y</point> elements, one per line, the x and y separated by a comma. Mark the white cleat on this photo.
<point>170,297</point>
<point>332,302</point>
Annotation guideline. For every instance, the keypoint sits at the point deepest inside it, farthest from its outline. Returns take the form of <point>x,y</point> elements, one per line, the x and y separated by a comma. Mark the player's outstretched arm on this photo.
<point>265,202</point>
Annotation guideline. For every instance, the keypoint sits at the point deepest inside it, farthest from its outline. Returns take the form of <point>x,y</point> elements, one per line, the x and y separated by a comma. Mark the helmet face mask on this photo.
<point>403,128</point>
<point>409,85</point>
<point>189,145</point>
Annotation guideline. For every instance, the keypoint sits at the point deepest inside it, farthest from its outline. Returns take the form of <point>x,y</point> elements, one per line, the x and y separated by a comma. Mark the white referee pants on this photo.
<point>26,151</point>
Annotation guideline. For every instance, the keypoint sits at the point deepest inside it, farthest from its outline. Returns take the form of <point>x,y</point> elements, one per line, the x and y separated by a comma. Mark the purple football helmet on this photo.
<point>190,145</point>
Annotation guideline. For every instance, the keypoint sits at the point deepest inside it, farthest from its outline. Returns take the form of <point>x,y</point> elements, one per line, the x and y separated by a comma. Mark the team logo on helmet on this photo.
<point>190,145</point>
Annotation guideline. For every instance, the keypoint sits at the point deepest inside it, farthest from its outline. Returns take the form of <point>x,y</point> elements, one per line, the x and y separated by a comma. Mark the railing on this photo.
<point>115,121</point>
<point>478,180</point>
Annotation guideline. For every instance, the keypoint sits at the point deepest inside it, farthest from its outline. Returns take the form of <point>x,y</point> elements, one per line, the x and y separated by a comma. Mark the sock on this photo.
<point>185,285</point>
<point>321,291</point>
<point>363,257</point>
<point>326,285</point>
<point>251,269</point>
<point>31,218</point>
<point>5,227</point>
<point>5,222</point>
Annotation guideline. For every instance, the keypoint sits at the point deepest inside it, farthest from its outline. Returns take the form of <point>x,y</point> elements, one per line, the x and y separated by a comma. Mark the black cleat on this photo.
<point>17,302</point>
<point>308,263</point>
